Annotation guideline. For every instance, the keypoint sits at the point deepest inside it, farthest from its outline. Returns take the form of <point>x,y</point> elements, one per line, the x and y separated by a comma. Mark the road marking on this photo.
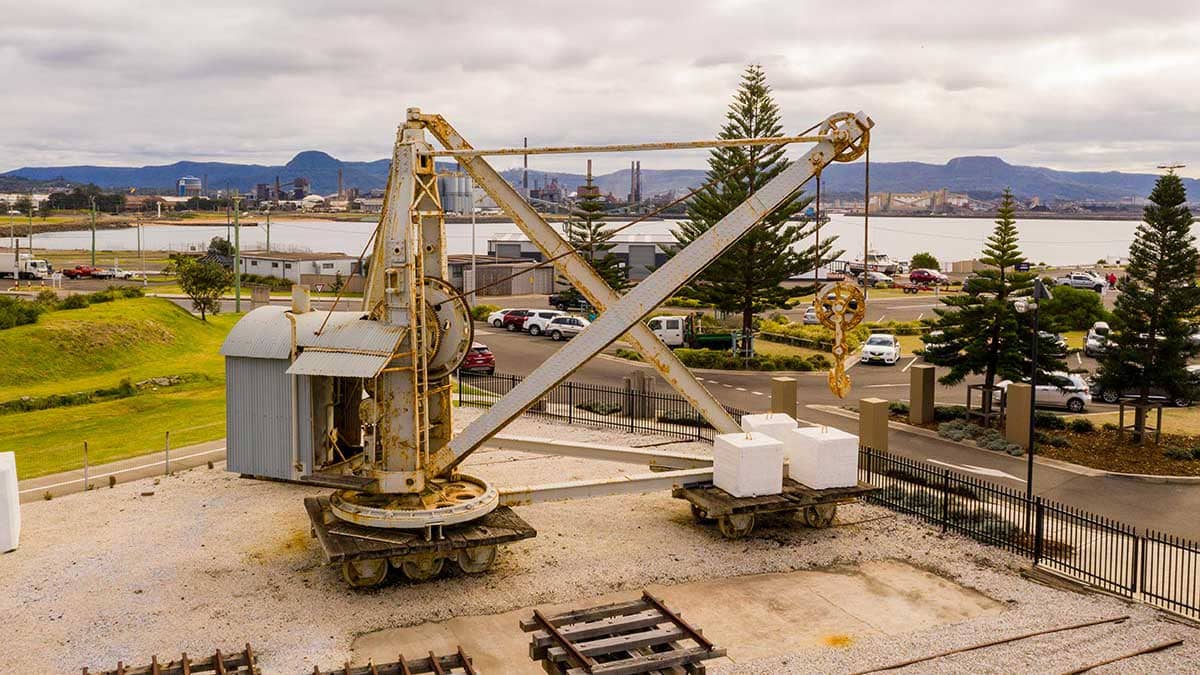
<point>914,360</point>
<point>119,471</point>
<point>877,386</point>
<point>479,331</point>
<point>854,359</point>
<point>970,468</point>
<point>1078,358</point>
<point>881,317</point>
<point>757,393</point>
<point>727,386</point>
<point>920,315</point>
<point>741,389</point>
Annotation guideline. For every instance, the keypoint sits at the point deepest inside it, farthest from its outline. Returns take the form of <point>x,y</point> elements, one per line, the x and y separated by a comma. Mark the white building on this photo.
<point>639,254</point>
<point>299,267</point>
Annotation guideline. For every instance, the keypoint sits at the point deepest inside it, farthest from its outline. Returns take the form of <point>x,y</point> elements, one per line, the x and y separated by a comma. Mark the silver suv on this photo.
<point>564,327</point>
<point>1081,280</point>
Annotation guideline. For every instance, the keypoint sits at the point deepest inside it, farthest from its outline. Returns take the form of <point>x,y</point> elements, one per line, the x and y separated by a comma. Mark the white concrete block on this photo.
<point>822,457</point>
<point>748,465</point>
<point>10,503</point>
<point>775,425</point>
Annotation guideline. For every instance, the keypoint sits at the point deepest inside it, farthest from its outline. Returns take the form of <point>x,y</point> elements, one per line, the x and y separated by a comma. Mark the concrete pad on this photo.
<point>753,617</point>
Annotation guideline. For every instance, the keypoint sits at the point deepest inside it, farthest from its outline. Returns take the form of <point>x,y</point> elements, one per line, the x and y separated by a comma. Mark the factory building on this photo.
<point>639,253</point>
<point>302,267</point>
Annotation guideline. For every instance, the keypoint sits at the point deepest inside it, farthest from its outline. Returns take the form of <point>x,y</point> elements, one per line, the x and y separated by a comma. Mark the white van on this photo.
<point>670,329</point>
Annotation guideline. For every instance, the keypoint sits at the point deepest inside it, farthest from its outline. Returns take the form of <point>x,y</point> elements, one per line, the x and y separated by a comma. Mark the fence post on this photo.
<point>1040,531</point>
<point>945,499</point>
<point>570,403</point>
<point>629,409</point>
<point>85,467</point>
<point>1134,567</point>
<point>167,455</point>
<point>460,388</point>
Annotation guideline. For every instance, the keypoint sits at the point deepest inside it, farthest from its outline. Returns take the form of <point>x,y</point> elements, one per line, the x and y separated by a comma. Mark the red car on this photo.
<point>515,320</point>
<point>925,276</point>
<point>479,359</point>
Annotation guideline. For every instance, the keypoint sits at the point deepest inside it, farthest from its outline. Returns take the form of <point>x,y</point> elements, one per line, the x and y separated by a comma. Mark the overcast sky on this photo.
<point>1070,85</point>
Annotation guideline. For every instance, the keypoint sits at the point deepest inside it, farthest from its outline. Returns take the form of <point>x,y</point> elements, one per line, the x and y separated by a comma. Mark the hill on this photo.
<point>978,176</point>
<point>83,350</point>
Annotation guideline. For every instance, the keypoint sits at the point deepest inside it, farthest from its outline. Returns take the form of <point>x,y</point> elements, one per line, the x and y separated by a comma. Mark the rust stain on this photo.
<point>837,640</point>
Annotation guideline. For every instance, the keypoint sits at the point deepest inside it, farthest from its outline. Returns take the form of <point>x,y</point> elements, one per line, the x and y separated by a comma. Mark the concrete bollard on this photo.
<point>783,395</point>
<point>920,394</point>
<point>873,423</point>
<point>1016,414</point>
<point>260,296</point>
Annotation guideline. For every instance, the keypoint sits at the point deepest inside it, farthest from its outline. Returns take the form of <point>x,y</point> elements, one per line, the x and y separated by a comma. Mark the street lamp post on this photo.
<point>237,256</point>
<point>1040,293</point>
<point>93,231</point>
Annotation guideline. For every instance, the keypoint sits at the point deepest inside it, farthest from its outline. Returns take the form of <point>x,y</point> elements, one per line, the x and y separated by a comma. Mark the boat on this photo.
<point>876,262</point>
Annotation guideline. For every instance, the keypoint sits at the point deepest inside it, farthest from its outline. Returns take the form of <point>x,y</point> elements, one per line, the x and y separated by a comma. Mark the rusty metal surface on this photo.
<point>338,364</point>
<point>644,298</point>
<point>266,333</point>
<point>628,147</point>
<point>655,481</point>
<point>581,274</point>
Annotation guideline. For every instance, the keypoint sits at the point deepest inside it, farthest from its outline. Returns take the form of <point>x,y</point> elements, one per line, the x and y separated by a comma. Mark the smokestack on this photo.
<point>638,182</point>
<point>632,183</point>
<point>277,189</point>
<point>204,184</point>
<point>339,182</point>
<point>589,173</point>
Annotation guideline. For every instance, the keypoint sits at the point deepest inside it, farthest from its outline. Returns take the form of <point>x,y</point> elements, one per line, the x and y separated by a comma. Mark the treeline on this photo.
<point>81,197</point>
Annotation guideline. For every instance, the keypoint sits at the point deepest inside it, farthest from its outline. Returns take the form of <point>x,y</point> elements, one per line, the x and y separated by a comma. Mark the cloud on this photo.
<point>1070,84</point>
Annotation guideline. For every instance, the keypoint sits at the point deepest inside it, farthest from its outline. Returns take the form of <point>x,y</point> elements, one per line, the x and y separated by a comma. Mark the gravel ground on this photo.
<point>210,561</point>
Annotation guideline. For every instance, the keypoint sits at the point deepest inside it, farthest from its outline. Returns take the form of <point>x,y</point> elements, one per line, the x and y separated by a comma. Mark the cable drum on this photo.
<point>450,330</point>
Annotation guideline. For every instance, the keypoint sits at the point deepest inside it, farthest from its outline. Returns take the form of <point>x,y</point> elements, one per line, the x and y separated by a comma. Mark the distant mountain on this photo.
<point>978,176</point>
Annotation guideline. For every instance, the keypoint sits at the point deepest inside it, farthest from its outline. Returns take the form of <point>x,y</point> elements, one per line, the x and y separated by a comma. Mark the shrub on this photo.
<point>101,296</point>
<point>130,291</point>
<point>47,298</point>
<point>680,301</point>
<point>1056,441</point>
<point>628,354</point>
<point>73,302</point>
<point>686,419</point>
<point>1175,452</point>
<point>724,360</point>
<point>945,413</point>
<point>18,312</point>
<point>1109,426</point>
<point>1048,420</point>
<point>1081,425</point>
<point>1073,309</point>
<point>959,430</point>
<point>898,408</point>
<point>480,312</point>
<point>599,407</point>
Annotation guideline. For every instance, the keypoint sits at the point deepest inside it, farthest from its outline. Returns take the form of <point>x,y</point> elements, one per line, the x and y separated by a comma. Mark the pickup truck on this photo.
<point>83,272</point>
<point>1081,280</point>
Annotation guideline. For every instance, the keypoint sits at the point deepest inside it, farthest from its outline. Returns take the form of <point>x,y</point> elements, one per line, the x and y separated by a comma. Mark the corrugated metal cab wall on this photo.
<point>258,418</point>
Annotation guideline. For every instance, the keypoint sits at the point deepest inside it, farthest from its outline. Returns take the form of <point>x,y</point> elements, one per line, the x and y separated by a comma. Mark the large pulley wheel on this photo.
<point>422,569</point>
<point>819,516</point>
<point>736,525</point>
<point>449,329</point>
<point>365,573</point>
<point>837,125</point>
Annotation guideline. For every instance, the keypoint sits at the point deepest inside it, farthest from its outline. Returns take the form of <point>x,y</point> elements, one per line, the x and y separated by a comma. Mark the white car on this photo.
<point>1074,394</point>
<point>881,348</point>
<point>566,327</point>
<point>496,318</point>
<point>536,323</point>
<point>1081,280</point>
<point>1096,341</point>
<point>810,317</point>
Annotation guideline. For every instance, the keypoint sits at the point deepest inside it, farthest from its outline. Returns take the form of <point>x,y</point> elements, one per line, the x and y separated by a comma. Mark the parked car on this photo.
<point>1081,280</point>
<point>479,359</point>
<point>881,348</point>
<point>933,343</point>
<point>566,327</point>
<point>1068,390</point>
<point>923,275</point>
<point>569,301</point>
<point>496,318</point>
<point>1156,394</point>
<point>810,316</point>
<point>876,279</point>
<point>1059,342</point>
<point>1095,342</point>
<point>514,321</point>
<point>118,273</point>
<point>536,323</point>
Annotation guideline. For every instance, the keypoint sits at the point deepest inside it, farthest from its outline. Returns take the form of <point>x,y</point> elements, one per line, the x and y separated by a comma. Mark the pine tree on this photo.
<point>586,231</point>
<point>981,330</point>
<point>1149,348</point>
<point>747,277</point>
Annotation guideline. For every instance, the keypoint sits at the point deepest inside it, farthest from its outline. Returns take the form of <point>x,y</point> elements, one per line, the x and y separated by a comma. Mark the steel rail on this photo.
<point>631,147</point>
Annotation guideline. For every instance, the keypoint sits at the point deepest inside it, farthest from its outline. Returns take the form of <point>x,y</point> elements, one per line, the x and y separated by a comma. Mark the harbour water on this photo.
<point>1056,242</point>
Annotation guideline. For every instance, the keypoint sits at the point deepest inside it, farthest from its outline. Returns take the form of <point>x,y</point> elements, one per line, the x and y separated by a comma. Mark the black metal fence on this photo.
<point>628,409</point>
<point>1156,568</point>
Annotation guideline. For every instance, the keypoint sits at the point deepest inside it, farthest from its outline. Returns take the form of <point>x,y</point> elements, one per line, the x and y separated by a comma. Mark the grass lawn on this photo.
<point>97,347</point>
<point>1182,421</point>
